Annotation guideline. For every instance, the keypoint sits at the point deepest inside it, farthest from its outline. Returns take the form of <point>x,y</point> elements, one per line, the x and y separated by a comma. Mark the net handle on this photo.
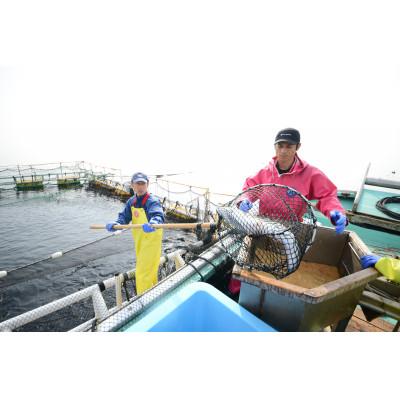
<point>193,225</point>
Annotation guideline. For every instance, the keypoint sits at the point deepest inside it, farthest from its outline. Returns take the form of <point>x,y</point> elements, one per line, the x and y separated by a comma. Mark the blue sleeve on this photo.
<point>155,212</point>
<point>125,217</point>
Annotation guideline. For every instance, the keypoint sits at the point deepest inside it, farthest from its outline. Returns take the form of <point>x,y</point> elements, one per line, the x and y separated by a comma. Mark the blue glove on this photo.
<point>245,205</point>
<point>369,260</point>
<point>110,228</point>
<point>147,228</point>
<point>339,220</point>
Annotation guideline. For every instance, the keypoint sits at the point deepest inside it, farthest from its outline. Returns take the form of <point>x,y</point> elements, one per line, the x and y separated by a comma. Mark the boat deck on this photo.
<point>359,323</point>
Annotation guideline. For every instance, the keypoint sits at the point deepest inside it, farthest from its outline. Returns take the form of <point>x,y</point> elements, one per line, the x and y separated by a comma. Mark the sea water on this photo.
<point>37,225</point>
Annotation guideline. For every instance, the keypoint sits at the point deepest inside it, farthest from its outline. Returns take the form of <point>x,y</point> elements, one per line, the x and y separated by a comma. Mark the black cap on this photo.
<point>289,135</point>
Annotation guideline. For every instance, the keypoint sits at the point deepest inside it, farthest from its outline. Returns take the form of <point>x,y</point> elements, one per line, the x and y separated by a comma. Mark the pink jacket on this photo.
<point>306,179</point>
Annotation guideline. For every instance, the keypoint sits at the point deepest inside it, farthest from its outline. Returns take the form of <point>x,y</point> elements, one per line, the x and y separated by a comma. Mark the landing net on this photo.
<point>274,234</point>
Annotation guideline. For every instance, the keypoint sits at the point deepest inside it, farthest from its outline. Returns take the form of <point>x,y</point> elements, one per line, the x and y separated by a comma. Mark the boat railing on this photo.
<point>101,311</point>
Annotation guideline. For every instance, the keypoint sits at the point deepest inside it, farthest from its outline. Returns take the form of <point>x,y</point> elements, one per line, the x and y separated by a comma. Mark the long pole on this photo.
<point>192,225</point>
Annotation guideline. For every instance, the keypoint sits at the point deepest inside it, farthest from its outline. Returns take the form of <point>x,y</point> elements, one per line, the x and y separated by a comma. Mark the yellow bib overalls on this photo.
<point>148,252</point>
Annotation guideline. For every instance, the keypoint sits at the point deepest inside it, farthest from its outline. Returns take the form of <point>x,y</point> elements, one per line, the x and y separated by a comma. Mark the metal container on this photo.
<point>290,306</point>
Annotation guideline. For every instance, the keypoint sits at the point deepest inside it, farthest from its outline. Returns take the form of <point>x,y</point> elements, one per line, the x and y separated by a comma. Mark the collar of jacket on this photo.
<point>298,166</point>
<point>141,199</point>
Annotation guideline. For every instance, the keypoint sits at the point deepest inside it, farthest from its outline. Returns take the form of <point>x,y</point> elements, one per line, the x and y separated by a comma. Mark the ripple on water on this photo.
<point>42,226</point>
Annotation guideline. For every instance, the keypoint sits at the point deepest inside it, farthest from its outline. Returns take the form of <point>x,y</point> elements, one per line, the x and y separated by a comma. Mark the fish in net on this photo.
<point>273,235</point>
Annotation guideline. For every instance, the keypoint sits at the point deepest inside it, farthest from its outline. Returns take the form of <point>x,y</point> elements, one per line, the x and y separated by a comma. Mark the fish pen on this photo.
<point>181,202</point>
<point>65,181</point>
<point>61,174</point>
<point>110,187</point>
<point>32,182</point>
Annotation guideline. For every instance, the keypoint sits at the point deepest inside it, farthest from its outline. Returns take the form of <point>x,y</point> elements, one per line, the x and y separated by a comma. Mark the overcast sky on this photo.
<point>176,86</point>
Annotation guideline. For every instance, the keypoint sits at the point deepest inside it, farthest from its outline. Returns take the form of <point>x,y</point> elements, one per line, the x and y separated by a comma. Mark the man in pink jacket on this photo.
<point>286,168</point>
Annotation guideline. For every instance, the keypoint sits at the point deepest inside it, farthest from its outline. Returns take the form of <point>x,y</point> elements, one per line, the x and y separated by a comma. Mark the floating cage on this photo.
<point>29,183</point>
<point>68,180</point>
<point>121,192</point>
<point>179,215</point>
<point>175,211</point>
<point>109,187</point>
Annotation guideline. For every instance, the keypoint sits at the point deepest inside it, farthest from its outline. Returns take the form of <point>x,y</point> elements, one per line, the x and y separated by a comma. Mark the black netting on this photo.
<point>273,235</point>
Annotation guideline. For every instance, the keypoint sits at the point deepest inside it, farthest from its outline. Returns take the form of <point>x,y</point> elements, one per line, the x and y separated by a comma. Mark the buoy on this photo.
<point>3,274</point>
<point>56,254</point>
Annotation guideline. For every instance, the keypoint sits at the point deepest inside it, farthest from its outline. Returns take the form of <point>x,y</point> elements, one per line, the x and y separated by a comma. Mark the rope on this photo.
<point>45,169</point>
<point>223,194</point>
<point>64,252</point>
<point>198,194</point>
<point>381,206</point>
<point>208,261</point>
<point>215,204</point>
<point>201,276</point>
<point>182,184</point>
<point>124,285</point>
<point>170,191</point>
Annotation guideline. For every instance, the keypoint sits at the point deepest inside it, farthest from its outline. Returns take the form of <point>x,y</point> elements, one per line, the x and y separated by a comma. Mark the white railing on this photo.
<point>99,306</point>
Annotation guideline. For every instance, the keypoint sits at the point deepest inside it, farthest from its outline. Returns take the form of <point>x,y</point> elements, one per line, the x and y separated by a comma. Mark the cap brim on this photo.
<point>140,180</point>
<point>286,140</point>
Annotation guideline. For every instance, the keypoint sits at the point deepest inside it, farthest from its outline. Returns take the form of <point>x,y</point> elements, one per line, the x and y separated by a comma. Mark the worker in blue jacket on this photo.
<point>146,210</point>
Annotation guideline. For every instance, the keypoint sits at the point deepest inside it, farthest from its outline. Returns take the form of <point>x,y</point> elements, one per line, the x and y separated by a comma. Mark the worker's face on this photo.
<point>140,188</point>
<point>286,152</point>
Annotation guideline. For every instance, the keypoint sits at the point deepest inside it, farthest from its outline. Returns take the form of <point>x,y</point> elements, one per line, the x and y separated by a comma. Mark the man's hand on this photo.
<point>245,205</point>
<point>148,228</point>
<point>110,226</point>
<point>339,220</point>
<point>369,260</point>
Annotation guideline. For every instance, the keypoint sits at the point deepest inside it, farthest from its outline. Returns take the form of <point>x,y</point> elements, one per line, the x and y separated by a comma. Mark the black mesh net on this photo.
<point>274,234</point>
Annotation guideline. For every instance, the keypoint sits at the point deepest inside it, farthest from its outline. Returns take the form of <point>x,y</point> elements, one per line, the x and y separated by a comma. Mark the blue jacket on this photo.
<point>152,208</point>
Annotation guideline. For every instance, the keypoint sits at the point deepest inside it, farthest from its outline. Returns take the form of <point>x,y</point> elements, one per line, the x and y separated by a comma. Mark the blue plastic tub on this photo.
<point>199,307</point>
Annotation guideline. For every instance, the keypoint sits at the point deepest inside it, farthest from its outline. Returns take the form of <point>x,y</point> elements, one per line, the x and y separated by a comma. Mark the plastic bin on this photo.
<point>199,307</point>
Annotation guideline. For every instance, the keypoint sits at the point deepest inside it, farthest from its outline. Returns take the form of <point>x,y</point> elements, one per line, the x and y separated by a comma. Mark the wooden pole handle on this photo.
<point>191,225</point>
